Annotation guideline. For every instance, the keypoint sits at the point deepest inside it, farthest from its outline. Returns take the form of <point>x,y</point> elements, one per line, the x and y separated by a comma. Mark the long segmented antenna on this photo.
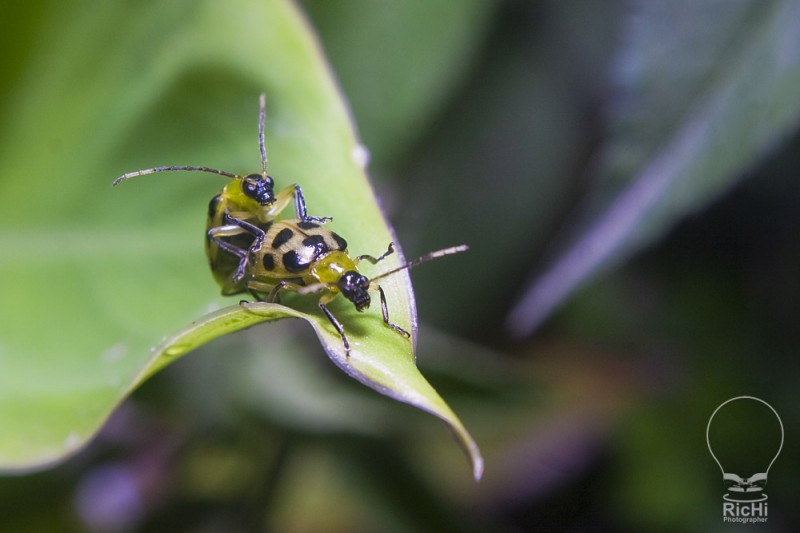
<point>153,170</point>
<point>316,287</point>
<point>427,257</point>
<point>262,118</point>
<point>262,115</point>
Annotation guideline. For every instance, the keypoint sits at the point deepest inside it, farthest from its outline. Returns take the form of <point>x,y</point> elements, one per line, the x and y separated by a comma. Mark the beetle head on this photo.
<point>353,286</point>
<point>260,188</point>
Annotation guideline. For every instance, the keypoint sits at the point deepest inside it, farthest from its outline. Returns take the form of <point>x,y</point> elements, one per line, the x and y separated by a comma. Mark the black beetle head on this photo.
<point>354,287</point>
<point>259,188</point>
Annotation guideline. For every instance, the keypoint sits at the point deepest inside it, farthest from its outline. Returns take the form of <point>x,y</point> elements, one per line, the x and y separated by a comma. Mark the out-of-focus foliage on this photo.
<point>519,128</point>
<point>60,390</point>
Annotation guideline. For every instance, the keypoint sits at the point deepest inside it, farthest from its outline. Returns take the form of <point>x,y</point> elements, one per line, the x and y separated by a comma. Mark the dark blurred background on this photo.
<point>512,126</point>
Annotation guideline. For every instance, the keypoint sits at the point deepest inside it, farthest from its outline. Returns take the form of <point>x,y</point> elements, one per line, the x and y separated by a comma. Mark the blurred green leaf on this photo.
<point>399,61</point>
<point>683,132</point>
<point>92,277</point>
<point>496,171</point>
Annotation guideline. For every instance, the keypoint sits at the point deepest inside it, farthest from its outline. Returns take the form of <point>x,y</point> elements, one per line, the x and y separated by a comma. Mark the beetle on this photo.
<point>251,198</point>
<point>305,257</point>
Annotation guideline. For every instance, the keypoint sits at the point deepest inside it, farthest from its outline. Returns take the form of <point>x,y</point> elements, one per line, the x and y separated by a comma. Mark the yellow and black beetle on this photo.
<point>250,198</point>
<point>304,257</point>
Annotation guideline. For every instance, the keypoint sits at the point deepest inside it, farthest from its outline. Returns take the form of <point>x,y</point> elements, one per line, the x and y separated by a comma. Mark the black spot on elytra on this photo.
<point>213,205</point>
<point>318,243</point>
<point>340,242</point>
<point>268,262</point>
<point>282,237</point>
<point>307,225</point>
<point>293,263</point>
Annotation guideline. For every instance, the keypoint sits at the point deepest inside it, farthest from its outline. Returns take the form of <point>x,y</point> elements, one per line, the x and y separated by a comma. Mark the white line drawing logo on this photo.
<point>752,429</point>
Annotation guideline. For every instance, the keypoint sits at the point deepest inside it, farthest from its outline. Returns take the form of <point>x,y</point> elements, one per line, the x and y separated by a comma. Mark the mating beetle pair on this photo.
<point>251,198</point>
<point>250,250</point>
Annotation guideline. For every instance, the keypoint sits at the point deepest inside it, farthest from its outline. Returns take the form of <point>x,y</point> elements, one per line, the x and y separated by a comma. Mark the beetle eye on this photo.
<point>250,186</point>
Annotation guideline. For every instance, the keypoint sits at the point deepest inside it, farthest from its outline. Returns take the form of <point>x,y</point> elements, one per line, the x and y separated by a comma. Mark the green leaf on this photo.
<point>93,277</point>
<point>683,132</point>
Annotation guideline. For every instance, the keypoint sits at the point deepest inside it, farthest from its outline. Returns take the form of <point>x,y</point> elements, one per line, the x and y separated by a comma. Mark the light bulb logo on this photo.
<point>745,436</point>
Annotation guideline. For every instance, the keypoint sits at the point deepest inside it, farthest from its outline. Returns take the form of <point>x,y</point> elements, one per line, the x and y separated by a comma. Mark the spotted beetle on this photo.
<point>304,257</point>
<point>249,198</point>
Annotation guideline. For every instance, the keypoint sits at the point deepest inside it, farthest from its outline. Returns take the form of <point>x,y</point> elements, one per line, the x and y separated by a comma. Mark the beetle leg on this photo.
<point>374,260</point>
<point>300,208</point>
<point>294,192</point>
<point>259,289</point>
<point>282,285</point>
<point>385,312</point>
<point>231,225</point>
<point>231,222</point>
<point>336,324</point>
<point>273,294</point>
<point>221,231</point>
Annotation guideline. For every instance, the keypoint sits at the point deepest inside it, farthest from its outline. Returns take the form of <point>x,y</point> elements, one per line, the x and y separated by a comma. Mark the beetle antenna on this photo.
<point>427,257</point>
<point>316,287</point>
<point>262,117</point>
<point>130,175</point>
